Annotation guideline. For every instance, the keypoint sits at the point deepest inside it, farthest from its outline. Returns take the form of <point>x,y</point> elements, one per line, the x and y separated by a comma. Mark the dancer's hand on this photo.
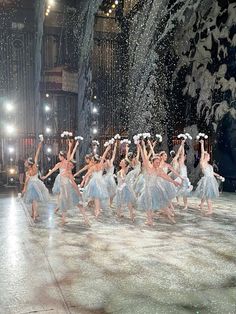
<point>201,141</point>
<point>43,178</point>
<point>177,184</point>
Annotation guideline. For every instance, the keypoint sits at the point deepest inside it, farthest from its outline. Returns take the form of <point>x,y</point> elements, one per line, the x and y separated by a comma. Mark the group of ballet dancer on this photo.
<point>145,182</point>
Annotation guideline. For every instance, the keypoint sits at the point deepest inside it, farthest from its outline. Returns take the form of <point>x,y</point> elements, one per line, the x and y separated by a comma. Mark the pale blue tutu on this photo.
<point>110,181</point>
<point>68,196</point>
<point>132,176</point>
<point>125,194</point>
<point>207,187</point>
<point>186,187</point>
<point>36,191</point>
<point>139,184</point>
<point>96,187</point>
<point>170,189</point>
<point>56,185</point>
<point>153,196</point>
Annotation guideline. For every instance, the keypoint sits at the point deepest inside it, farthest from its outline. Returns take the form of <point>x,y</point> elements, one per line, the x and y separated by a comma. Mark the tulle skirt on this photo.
<point>124,196</point>
<point>36,191</point>
<point>56,185</point>
<point>139,184</point>
<point>68,196</point>
<point>153,196</point>
<point>169,188</point>
<point>186,187</point>
<point>110,184</point>
<point>207,188</point>
<point>96,188</point>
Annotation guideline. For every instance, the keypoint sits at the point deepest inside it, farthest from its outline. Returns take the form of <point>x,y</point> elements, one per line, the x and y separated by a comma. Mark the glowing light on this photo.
<point>47,108</point>
<point>51,2</point>
<point>49,150</point>
<point>95,110</point>
<point>110,10</point>
<point>113,6</point>
<point>47,95</point>
<point>11,159</point>
<point>107,14</point>
<point>47,15</point>
<point>95,131</point>
<point>11,150</point>
<point>48,130</point>
<point>9,107</point>
<point>10,129</point>
<point>116,2</point>
<point>12,171</point>
<point>95,97</point>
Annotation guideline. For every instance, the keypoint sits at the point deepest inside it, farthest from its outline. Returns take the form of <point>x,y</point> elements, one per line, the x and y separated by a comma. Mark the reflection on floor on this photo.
<point>116,266</point>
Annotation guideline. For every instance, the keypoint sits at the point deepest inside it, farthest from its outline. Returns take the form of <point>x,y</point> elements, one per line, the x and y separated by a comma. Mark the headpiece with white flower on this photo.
<point>201,136</point>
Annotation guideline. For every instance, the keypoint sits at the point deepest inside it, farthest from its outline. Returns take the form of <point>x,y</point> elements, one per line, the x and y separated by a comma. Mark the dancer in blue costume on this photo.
<point>207,188</point>
<point>170,188</point>
<point>69,194</point>
<point>34,190</point>
<point>154,196</point>
<point>96,188</point>
<point>109,176</point>
<point>186,187</point>
<point>125,196</point>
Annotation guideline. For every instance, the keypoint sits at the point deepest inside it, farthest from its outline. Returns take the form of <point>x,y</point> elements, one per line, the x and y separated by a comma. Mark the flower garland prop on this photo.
<point>201,136</point>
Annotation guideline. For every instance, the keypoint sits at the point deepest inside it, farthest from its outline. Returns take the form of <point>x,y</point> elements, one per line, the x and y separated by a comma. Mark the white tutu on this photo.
<point>36,191</point>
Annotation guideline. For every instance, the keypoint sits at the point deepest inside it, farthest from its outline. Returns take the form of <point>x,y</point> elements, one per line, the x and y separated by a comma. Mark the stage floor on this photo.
<point>116,266</point>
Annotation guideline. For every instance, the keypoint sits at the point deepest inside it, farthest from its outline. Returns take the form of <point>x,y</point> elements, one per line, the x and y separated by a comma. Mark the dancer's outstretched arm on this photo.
<point>168,178</point>
<point>56,167</point>
<point>202,150</point>
<point>74,150</point>
<point>69,150</point>
<point>152,146</point>
<point>104,154</point>
<point>81,170</point>
<point>37,153</point>
<point>114,153</point>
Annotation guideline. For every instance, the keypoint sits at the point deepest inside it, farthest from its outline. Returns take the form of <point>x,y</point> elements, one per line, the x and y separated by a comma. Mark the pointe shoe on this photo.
<point>208,213</point>
<point>56,210</point>
<point>149,223</point>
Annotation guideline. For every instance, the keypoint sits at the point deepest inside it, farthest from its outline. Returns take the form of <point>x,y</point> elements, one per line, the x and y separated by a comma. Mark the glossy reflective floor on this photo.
<point>116,266</point>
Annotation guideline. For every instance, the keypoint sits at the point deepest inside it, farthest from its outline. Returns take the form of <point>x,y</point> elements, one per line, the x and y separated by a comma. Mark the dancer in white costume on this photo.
<point>186,186</point>
<point>96,189</point>
<point>69,195</point>
<point>153,196</point>
<point>34,190</point>
<point>207,188</point>
<point>109,176</point>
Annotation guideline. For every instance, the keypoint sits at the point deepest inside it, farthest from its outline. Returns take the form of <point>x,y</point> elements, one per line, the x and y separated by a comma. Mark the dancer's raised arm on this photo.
<point>37,153</point>
<point>202,151</point>
<point>114,153</point>
<point>74,151</point>
<point>69,150</point>
<point>104,154</point>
